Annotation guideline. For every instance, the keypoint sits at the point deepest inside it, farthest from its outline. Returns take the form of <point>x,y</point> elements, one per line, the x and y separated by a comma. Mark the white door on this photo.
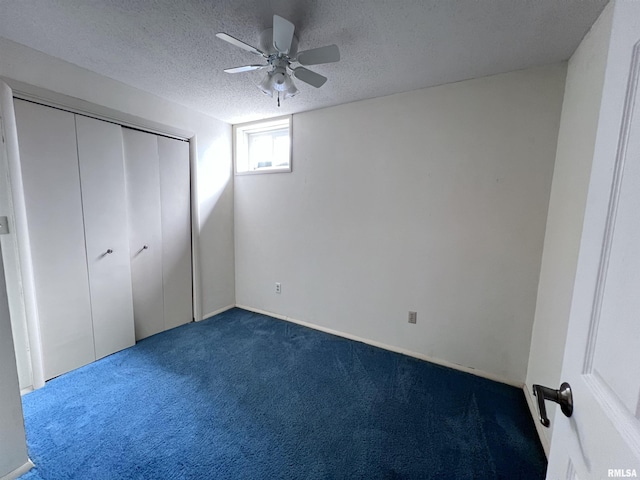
<point>106,230</point>
<point>49,162</point>
<point>175,195</point>
<point>13,448</point>
<point>11,259</point>
<point>602,355</point>
<point>145,231</point>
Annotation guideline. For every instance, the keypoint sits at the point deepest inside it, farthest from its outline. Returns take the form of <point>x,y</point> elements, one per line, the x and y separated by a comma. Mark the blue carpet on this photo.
<point>245,396</point>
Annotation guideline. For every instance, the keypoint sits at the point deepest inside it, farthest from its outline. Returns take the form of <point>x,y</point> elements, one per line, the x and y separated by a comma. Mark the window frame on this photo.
<point>267,124</point>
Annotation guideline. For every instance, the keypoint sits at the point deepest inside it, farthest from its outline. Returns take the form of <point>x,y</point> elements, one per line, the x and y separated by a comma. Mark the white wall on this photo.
<point>213,139</point>
<point>576,141</point>
<point>433,200</point>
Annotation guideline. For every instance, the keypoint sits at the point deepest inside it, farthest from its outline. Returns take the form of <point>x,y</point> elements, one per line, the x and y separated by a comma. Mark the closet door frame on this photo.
<point>24,91</point>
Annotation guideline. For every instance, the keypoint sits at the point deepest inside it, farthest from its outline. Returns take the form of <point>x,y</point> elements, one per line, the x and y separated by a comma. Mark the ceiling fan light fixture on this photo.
<point>266,85</point>
<point>291,91</point>
<point>279,81</point>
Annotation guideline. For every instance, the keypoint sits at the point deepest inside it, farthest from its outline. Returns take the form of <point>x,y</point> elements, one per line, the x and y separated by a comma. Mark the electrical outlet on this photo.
<point>413,317</point>
<point>278,287</point>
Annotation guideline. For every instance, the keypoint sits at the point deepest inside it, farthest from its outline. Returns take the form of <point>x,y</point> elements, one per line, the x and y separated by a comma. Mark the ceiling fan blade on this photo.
<point>307,76</point>
<point>238,43</point>
<point>245,68</point>
<point>282,34</point>
<point>316,56</point>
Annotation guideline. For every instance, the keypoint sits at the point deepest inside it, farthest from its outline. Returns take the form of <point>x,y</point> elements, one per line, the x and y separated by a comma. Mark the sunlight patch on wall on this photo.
<point>214,174</point>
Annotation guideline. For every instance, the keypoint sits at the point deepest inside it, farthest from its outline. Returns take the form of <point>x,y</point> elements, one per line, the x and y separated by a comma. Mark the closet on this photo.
<point>160,231</point>
<point>94,200</point>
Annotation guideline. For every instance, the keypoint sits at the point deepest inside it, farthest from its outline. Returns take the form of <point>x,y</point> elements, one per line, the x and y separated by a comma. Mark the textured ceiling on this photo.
<point>169,47</point>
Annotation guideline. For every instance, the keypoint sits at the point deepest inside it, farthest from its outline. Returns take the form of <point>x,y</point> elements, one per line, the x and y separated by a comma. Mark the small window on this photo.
<point>264,146</point>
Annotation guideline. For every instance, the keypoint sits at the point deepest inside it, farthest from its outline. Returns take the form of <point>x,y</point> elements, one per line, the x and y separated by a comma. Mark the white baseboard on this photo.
<point>437,361</point>
<point>25,390</point>
<point>216,312</point>
<point>544,440</point>
<point>19,471</point>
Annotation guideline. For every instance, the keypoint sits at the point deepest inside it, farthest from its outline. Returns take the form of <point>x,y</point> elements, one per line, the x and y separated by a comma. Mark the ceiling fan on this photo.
<point>279,47</point>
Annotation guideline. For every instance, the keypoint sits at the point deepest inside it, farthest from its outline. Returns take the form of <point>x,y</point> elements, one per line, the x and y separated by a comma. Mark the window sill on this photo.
<point>265,171</point>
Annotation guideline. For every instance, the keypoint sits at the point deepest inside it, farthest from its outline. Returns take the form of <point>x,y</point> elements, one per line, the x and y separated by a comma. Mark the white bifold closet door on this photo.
<point>73,175</point>
<point>158,196</point>
<point>49,161</point>
<point>104,203</point>
<point>175,206</point>
<point>145,231</point>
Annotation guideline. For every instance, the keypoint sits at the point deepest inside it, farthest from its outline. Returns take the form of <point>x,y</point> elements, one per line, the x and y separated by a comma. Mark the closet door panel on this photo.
<point>176,231</point>
<point>143,202</point>
<point>49,162</point>
<point>106,229</point>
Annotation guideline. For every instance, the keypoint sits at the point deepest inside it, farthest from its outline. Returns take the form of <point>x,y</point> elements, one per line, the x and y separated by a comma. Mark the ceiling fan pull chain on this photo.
<point>278,99</point>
